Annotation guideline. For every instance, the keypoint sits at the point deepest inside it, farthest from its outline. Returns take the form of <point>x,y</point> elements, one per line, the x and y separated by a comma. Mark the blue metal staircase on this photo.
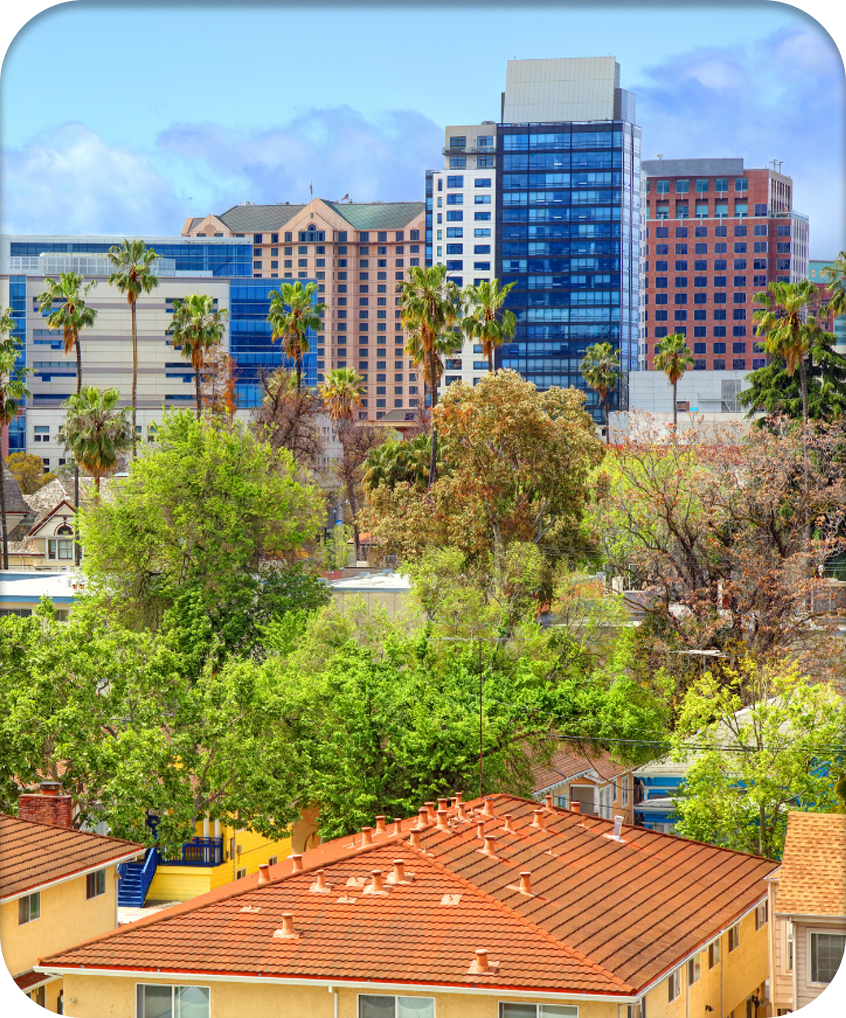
<point>135,879</point>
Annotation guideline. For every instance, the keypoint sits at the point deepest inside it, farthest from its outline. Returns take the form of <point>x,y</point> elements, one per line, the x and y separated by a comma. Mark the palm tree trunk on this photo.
<point>197,389</point>
<point>803,381</point>
<point>299,363</point>
<point>76,545</point>
<point>675,406</point>
<point>134,379</point>
<point>490,359</point>
<point>433,456</point>
<point>3,535</point>
<point>607,422</point>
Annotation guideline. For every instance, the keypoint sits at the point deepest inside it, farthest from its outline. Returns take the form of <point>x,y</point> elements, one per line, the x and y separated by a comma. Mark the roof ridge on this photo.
<point>560,944</point>
<point>70,830</point>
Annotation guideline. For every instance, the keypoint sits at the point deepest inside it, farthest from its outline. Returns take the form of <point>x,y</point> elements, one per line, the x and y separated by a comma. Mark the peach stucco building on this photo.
<point>357,254</point>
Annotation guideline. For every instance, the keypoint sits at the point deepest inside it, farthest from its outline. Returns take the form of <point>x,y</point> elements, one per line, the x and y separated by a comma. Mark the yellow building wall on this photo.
<point>179,883</point>
<point>725,987</point>
<point>114,997</point>
<point>67,918</point>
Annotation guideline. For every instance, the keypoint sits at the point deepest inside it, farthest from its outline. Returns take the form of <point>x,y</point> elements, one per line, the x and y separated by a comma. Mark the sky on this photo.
<point>129,118</point>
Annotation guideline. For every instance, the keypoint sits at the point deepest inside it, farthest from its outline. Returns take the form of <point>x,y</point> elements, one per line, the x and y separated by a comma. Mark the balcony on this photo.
<point>198,852</point>
<point>482,150</point>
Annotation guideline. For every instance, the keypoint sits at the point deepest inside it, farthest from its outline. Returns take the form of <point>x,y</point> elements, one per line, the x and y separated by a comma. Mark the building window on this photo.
<point>694,970</point>
<point>29,908</point>
<point>482,199</point>
<point>59,549</point>
<point>455,199</point>
<point>457,162</point>
<point>702,186</point>
<point>171,1001</point>
<point>662,187</point>
<point>788,944</point>
<point>734,937</point>
<point>762,915</point>
<point>95,884</point>
<point>714,948</point>
<point>455,181</point>
<point>523,1010</point>
<point>42,432</point>
<point>826,954</point>
<point>673,985</point>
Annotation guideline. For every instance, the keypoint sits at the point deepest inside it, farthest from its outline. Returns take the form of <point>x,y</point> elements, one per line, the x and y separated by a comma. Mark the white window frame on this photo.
<point>625,787</point>
<point>537,1006</point>
<point>28,898</point>
<point>715,948</point>
<point>139,1012</point>
<point>762,915</point>
<point>674,983</point>
<point>789,946</point>
<point>811,933</point>
<point>395,997</point>
<point>734,935</point>
<point>694,969</point>
<point>98,878</point>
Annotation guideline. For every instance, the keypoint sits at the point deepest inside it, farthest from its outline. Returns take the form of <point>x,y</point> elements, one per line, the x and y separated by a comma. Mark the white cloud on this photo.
<point>783,99</point>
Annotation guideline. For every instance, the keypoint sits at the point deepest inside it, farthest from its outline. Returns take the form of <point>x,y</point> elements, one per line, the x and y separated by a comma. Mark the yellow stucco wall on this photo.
<point>114,997</point>
<point>739,974</point>
<point>67,918</point>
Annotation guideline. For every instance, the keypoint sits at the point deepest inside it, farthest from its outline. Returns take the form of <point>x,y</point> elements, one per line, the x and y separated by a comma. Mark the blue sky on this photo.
<point>130,118</point>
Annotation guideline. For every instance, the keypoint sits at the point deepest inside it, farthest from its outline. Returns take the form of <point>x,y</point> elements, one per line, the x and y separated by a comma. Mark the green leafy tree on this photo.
<point>197,329</point>
<point>484,320</point>
<point>430,306</point>
<point>204,508</point>
<point>96,432</point>
<point>517,466</point>
<point>293,313</point>
<point>132,262</point>
<point>384,719</point>
<point>13,392</point>
<point>772,389</point>
<point>768,743</point>
<point>601,370</point>
<point>113,715</point>
<point>673,358</point>
<point>342,391</point>
<point>28,471</point>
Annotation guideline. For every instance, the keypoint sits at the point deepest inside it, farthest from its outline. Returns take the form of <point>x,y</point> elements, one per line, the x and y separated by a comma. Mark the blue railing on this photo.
<point>198,852</point>
<point>135,879</point>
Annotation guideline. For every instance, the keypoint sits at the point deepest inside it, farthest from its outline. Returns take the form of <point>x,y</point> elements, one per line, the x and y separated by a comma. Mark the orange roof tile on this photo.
<point>812,880</point>
<point>33,855</point>
<point>603,916</point>
<point>31,980</point>
<point>566,764</point>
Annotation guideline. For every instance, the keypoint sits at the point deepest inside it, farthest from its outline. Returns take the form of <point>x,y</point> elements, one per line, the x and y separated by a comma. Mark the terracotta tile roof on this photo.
<point>812,880</point>
<point>30,980</point>
<point>33,855</point>
<point>603,916</point>
<point>566,764</point>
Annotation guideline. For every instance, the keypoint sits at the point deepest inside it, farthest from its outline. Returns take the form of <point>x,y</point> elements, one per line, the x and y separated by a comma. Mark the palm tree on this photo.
<point>430,305</point>
<point>342,390</point>
<point>789,327</point>
<point>836,276</point>
<point>70,317</point>
<point>133,276</point>
<point>292,314</point>
<point>12,392</point>
<point>484,320</point>
<point>96,432</point>
<point>196,329</point>
<point>601,370</point>
<point>673,358</point>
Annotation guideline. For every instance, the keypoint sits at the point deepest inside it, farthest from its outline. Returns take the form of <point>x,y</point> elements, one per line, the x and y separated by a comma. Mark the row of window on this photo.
<point>741,210</point>
<point>740,230</point>
<point>701,185</point>
<point>313,235</point>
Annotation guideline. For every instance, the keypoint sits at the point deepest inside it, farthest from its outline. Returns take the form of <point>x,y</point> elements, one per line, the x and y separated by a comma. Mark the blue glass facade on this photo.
<point>17,309</point>
<point>219,259</point>
<point>250,340</point>
<point>568,228</point>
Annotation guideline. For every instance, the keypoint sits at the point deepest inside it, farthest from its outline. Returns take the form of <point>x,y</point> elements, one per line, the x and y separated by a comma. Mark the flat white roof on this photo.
<point>383,583</point>
<point>31,587</point>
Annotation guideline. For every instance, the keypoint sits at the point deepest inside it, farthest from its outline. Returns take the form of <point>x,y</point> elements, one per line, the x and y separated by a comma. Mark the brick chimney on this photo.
<point>47,806</point>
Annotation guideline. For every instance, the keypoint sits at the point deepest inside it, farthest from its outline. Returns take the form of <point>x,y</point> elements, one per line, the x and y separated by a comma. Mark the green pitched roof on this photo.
<point>378,215</point>
<point>258,218</point>
<point>365,216</point>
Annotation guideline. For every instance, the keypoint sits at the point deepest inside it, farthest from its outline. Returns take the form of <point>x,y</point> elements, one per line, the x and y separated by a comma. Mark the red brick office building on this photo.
<point>716,234</point>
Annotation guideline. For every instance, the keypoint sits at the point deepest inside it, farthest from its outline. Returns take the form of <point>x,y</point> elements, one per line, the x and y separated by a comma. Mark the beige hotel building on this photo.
<point>357,253</point>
